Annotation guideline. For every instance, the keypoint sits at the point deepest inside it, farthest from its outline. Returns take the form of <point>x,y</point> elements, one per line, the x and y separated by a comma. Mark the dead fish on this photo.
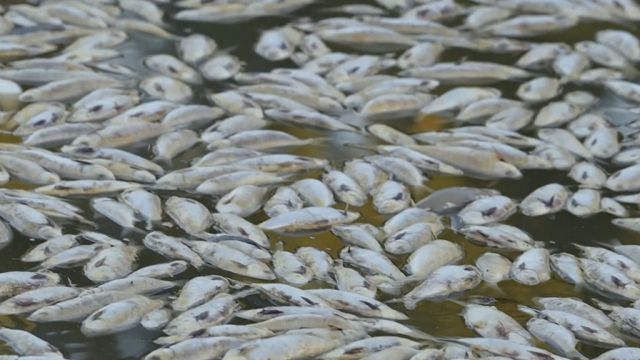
<point>235,225</point>
<point>489,322</point>
<point>609,280</point>
<point>353,234</point>
<point>531,25</point>
<point>487,210</point>
<point>85,187</point>
<point>391,197</point>
<point>314,192</point>
<point>196,347</point>
<point>290,268</point>
<point>229,259</point>
<point>277,44</point>
<point>115,211</point>
<point>111,263</point>
<point>576,307</point>
<point>623,353</point>
<point>453,198</point>
<point>146,204</point>
<point>583,329</point>
<point>350,280</point>
<point>345,188</point>
<point>547,199</point>
<point>624,180</point>
<point>284,200</point>
<point>172,67</point>
<point>311,218</point>
<point>29,221</point>
<point>539,89</point>
<point>132,285</point>
<point>423,54</point>
<point>161,270</point>
<point>567,267</point>
<point>410,238</point>
<point>613,207</point>
<point>372,261</point>
<point>444,282</point>
<point>570,65</point>
<point>432,256</point>
<point>318,261</point>
<point>584,202</point>
<point>166,88</point>
<point>531,267</point>
<point>119,316</point>
<point>27,344</point>
<point>602,55</point>
<point>493,267</point>
<point>501,236</point>
<point>68,89</point>
<point>260,140</point>
<point>368,176</point>
<point>170,145</point>
<point>486,164</point>
<point>458,98</point>
<point>50,247</point>
<point>467,72</point>
<point>624,42</point>
<point>507,348</point>
<point>557,113</point>
<point>199,290</point>
<point>588,175</point>
<point>77,308</point>
<point>195,48</point>
<point>172,248</point>
<point>287,346</point>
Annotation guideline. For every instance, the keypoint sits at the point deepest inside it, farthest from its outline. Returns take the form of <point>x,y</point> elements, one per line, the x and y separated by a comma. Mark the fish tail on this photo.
<point>370,148</point>
<point>354,119</point>
<point>456,223</point>
<point>495,287</point>
<point>528,310</point>
<point>245,293</point>
<point>602,305</point>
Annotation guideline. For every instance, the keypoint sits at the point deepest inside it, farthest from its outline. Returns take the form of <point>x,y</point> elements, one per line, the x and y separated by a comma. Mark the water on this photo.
<point>558,232</point>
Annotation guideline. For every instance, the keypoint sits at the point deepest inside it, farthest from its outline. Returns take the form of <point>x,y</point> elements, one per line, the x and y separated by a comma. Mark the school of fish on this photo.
<point>197,158</point>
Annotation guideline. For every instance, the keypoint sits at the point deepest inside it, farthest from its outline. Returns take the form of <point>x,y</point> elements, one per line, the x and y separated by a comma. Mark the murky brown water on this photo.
<point>559,231</point>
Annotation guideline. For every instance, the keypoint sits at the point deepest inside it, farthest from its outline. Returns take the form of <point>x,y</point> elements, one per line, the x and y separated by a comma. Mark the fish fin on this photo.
<point>361,147</point>
<point>354,119</point>
<point>169,340</point>
<point>425,188</point>
<point>609,244</point>
<point>495,287</point>
<point>602,305</point>
<point>133,230</point>
<point>528,310</point>
<point>245,293</point>
<point>279,246</point>
<point>456,223</point>
<point>457,302</point>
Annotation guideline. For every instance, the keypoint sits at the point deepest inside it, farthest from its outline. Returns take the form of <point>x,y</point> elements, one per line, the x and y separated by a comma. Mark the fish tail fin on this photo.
<point>370,148</point>
<point>356,120</point>
<point>528,310</point>
<point>602,305</point>
<point>456,223</point>
<point>244,293</point>
<point>495,287</point>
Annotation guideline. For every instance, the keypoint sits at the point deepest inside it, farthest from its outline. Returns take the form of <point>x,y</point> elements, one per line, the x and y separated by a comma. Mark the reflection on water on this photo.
<point>441,319</point>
